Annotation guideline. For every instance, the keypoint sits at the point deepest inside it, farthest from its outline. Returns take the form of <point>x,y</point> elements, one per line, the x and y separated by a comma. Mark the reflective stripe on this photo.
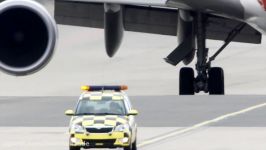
<point>114,135</point>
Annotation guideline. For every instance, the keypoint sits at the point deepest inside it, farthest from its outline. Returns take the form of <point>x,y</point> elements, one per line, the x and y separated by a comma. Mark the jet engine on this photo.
<point>28,36</point>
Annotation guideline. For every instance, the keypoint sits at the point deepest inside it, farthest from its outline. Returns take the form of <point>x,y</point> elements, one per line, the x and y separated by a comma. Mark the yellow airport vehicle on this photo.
<point>104,118</point>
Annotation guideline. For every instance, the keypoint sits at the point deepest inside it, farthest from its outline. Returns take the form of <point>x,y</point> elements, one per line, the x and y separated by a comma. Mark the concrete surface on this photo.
<point>216,139</point>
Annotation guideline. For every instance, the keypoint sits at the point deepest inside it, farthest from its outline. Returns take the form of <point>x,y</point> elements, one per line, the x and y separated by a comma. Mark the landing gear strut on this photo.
<point>208,79</point>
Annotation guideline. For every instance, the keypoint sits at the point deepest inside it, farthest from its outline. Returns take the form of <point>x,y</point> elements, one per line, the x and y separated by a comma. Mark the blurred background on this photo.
<point>80,59</point>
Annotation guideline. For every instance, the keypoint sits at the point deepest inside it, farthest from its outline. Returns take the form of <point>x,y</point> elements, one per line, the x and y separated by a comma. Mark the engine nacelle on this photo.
<point>113,27</point>
<point>28,36</point>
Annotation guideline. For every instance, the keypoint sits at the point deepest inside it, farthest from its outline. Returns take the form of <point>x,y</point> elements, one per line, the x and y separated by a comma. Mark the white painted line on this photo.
<point>199,125</point>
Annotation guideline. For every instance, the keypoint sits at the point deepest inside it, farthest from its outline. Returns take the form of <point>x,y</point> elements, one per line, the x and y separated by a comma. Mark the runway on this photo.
<point>170,122</point>
<point>155,111</point>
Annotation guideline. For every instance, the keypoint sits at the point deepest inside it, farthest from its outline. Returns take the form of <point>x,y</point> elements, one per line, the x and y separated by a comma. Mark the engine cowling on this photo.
<point>113,27</point>
<point>28,36</point>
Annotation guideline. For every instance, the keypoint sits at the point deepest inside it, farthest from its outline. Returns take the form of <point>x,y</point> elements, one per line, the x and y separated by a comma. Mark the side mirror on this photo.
<point>133,112</point>
<point>69,112</point>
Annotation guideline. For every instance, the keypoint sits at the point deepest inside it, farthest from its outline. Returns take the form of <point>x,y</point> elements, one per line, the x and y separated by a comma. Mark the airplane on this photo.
<point>193,22</point>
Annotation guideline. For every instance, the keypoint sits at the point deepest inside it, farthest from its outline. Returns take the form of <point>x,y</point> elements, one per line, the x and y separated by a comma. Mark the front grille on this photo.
<point>99,130</point>
<point>99,143</point>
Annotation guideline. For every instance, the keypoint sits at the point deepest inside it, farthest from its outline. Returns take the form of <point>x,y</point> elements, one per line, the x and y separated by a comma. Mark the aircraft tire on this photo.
<point>186,81</point>
<point>216,81</point>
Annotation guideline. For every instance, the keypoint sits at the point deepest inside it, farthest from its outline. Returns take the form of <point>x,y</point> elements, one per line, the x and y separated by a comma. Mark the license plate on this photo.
<point>99,144</point>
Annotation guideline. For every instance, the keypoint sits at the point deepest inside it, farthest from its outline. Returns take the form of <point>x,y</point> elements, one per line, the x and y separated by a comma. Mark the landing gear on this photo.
<point>208,79</point>
<point>216,81</point>
<point>214,84</point>
<point>186,81</point>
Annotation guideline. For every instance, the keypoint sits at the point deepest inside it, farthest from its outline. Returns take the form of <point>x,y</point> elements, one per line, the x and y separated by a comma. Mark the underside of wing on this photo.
<point>148,20</point>
<point>128,2</point>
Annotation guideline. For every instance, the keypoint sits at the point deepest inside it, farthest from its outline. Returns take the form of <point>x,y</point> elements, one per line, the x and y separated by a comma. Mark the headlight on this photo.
<point>78,128</point>
<point>122,127</point>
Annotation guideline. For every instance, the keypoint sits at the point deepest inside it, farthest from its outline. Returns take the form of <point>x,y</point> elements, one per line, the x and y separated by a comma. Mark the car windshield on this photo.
<point>101,107</point>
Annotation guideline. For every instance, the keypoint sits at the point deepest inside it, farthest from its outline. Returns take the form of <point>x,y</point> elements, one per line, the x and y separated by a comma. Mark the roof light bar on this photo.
<point>101,88</point>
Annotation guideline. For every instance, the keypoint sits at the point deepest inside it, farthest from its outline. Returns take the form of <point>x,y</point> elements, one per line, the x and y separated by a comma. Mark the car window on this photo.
<point>98,107</point>
<point>127,103</point>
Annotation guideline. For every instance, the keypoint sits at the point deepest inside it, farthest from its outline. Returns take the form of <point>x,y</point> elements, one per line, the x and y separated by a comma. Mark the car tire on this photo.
<point>134,145</point>
<point>74,148</point>
<point>216,81</point>
<point>186,81</point>
<point>127,148</point>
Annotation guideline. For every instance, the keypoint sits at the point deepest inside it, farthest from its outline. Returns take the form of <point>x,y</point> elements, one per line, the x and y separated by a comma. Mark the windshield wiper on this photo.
<point>97,114</point>
<point>85,114</point>
<point>108,114</point>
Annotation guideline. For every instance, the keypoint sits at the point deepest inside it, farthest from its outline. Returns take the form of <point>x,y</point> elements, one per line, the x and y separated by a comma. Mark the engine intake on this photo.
<point>28,36</point>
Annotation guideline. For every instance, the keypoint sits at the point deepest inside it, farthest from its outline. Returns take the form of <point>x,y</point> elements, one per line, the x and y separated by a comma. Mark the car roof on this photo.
<point>99,95</point>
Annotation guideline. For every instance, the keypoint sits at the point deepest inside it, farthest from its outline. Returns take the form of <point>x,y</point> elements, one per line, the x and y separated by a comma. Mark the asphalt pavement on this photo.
<point>155,111</point>
<point>165,122</point>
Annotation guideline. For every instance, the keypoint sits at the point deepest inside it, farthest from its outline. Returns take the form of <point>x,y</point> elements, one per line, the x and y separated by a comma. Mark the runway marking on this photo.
<point>199,125</point>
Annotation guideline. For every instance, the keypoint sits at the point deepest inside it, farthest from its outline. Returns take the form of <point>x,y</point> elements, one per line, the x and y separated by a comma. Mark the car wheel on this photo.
<point>127,148</point>
<point>134,145</point>
<point>74,148</point>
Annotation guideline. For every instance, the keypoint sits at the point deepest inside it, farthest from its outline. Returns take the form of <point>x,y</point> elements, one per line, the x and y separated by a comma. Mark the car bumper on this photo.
<point>100,140</point>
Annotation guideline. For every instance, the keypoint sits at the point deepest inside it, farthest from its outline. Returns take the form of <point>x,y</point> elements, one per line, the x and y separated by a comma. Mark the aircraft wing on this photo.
<point>140,18</point>
<point>127,2</point>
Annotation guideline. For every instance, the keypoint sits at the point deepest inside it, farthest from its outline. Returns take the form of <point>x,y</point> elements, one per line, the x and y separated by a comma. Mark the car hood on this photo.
<point>109,120</point>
